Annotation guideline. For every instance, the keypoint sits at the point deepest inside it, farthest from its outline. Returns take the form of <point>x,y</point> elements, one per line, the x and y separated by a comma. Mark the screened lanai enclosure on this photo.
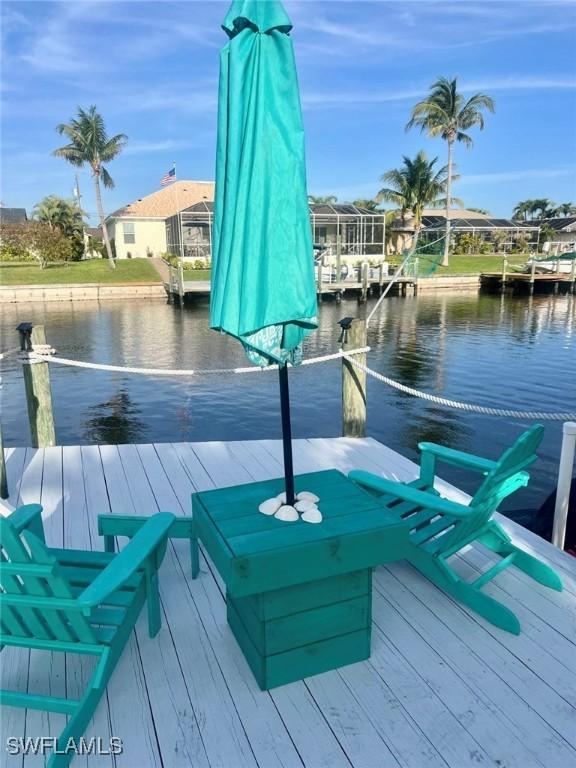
<point>468,235</point>
<point>338,230</point>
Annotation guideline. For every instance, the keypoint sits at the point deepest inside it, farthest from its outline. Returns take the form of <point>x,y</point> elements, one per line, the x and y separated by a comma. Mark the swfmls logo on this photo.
<point>41,744</point>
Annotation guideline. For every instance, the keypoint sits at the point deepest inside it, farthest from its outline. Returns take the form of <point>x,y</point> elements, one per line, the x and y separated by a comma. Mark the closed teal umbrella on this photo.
<point>263,289</point>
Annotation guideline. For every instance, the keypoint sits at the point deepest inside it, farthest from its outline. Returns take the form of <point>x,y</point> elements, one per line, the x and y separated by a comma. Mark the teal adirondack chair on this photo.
<point>74,601</point>
<point>440,528</point>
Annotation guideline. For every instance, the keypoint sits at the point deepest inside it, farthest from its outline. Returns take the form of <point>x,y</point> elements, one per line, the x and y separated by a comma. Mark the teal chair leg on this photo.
<point>440,573</point>
<point>498,541</point>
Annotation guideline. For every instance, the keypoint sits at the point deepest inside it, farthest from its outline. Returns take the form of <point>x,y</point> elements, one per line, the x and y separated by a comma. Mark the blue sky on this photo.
<point>152,70</point>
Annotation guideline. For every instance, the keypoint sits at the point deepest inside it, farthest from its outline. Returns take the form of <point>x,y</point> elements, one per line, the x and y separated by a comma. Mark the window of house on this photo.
<point>129,236</point>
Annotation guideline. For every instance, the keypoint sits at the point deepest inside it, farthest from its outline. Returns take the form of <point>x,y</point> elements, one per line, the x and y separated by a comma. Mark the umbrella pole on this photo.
<point>286,433</point>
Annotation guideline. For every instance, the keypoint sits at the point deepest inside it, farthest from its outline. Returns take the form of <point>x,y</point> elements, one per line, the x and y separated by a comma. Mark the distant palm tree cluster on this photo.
<point>542,208</point>
<point>418,184</point>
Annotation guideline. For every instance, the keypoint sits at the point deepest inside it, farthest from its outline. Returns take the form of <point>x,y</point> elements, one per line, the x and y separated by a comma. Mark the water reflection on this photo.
<point>115,421</point>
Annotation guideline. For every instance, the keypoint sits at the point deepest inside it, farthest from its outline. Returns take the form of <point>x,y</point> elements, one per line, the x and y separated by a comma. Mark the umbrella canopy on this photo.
<point>263,289</point>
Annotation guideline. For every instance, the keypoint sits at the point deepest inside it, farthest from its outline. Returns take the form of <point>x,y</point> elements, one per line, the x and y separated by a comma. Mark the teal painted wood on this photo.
<point>297,663</point>
<point>299,595</point>
<point>305,627</point>
<point>75,602</point>
<point>354,534</point>
<point>111,526</point>
<point>440,528</point>
<point>302,597</point>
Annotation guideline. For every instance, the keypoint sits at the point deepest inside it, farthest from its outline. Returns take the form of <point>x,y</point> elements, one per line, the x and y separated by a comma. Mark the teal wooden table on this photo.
<point>299,595</point>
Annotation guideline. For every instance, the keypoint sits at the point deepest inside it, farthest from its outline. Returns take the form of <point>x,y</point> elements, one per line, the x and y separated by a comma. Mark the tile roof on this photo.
<point>167,201</point>
<point>12,215</point>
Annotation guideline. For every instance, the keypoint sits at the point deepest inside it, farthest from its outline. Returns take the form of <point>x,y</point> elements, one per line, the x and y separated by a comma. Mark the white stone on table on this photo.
<point>304,506</point>
<point>312,515</point>
<point>282,497</point>
<point>307,496</point>
<point>270,506</point>
<point>287,513</point>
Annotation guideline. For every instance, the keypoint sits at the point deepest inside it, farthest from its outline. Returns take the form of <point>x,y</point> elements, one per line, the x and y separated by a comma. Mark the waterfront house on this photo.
<point>487,229</point>
<point>139,228</point>
<point>563,236</point>
<point>336,227</point>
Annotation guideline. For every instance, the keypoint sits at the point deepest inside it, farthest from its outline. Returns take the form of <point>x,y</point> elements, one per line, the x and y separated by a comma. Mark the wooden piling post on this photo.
<point>532,276</point>
<point>319,280</point>
<point>573,276</point>
<point>37,384</point>
<point>181,292</point>
<point>354,383</point>
<point>3,476</point>
<point>364,280</point>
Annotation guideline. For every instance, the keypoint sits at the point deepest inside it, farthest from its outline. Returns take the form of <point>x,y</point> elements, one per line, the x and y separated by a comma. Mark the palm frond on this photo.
<point>106,178</point>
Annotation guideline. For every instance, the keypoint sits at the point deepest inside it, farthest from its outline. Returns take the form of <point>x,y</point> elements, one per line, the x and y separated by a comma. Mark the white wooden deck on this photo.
<point>442,687</point>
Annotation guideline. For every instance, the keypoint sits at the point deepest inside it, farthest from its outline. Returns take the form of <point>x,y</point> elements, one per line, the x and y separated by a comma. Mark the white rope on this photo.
<point>9,352</point>
<point>34,356</point>
<point>487,411</point>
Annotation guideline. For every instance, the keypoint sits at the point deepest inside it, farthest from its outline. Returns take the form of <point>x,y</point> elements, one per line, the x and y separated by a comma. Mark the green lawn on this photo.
<point>466,265</point>
<point>76,272</point>
<point>196,274</point>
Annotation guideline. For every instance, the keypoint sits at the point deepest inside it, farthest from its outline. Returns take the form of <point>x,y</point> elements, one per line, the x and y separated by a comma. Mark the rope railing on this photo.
<point>469,407</point>
<point>36,355</point>
<point>9,352</point>
<point>45,354</point>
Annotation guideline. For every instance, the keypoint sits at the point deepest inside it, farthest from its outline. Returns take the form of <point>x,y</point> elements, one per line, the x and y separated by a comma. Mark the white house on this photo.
<point>139,229</point>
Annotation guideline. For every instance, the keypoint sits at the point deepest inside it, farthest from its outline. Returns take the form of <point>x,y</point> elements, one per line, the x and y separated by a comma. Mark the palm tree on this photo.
<point>369,205</point>
<point>413,187</point>
<point>90,145</point>
<point>522,209</point>
<point>322,200</point>
<point>60,214</point>
<point>566,209</point>
<point>541,207</point>
<point>483,211</point>
<point>446,113</point>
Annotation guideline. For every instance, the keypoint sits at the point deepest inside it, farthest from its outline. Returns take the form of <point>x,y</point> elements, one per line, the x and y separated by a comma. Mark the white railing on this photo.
<point>564,483</point>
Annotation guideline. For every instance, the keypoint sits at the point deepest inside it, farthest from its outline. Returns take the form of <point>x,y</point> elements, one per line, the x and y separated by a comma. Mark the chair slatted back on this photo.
<point>507,476</point>
<point>38,577</point>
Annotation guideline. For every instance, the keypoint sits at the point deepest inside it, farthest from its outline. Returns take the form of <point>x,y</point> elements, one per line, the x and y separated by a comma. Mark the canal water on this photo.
<point>506,352</point>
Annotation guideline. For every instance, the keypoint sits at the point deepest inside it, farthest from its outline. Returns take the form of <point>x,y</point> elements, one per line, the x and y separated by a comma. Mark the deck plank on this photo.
<point>77,534</point>
<point>442,687</point>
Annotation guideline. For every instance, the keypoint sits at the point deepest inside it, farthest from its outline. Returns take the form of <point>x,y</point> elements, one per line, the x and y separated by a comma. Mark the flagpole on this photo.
<point>180,237</point>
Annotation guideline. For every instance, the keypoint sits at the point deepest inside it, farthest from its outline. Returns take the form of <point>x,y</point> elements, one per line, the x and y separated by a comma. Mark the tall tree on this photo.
<point>91,145</point>
<point>522,209</point>
<point>541,207</point>
<point>369,205</point>
<point>322,199</point>
<point>62,216</point>
<point>567,209</point>
<point>414,186</point>
<point>445,113</point>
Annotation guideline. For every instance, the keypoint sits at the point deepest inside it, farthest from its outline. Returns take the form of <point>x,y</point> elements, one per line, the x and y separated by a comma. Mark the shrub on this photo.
<point>35,241</point>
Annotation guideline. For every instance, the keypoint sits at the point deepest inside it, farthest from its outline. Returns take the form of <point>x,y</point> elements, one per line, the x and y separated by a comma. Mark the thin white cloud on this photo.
<point>505,176</point>
<point>336,98</point>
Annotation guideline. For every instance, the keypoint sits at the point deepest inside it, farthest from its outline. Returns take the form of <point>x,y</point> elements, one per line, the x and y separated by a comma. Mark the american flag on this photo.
<point>169,177</point>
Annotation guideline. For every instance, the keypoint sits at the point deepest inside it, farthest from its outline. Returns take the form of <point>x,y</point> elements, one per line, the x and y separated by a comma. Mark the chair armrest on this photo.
<point>457,458</point>
<point>28,518</point>
<point>149,538</point>
<point>406,493</point>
